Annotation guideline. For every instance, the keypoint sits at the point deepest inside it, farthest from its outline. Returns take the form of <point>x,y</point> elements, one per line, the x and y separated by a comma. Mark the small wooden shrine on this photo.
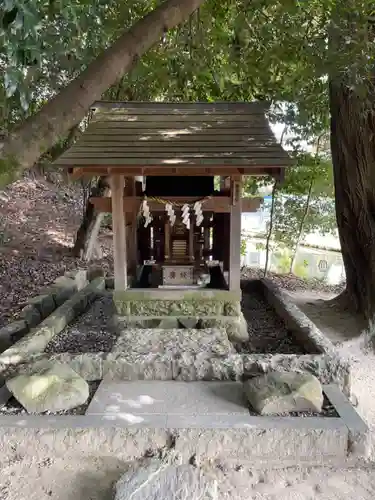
<point>175,174</point>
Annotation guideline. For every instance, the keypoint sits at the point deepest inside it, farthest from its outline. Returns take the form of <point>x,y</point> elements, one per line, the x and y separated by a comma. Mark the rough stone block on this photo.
<point>153,480</point>
<point>139,367</point>
<point>13,331</point>
<point>328,369</point>
<point>269,443</point>
<point>95,272</point>
<point>169,323</point>
<point>227,368</point>
<point>133,342</point>
<point>31,315</point>
<point>236,327</point>
<point>172,307</point>
<point>110,282</point>
<point>79,277</point>
<point>44,303</point>
<point>51,387</point>
<point>302,328</point>
<point>187,322</point>
<point>232,309</point>
<point>62,294</point>
<point>36,340</point>
<point>359,442</point>
<point>284,392</point>
<point>88,365</point>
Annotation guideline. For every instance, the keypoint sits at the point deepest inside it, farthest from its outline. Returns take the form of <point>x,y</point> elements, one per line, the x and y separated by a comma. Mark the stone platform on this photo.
<point>200,421</point>
<point>204,308</point>
<point>177,302</point>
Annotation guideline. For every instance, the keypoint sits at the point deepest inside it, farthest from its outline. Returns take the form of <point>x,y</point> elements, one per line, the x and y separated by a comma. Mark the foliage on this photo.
<point>243,245</point>
<point>310,181</point>
<point>302,204</point>
<point>235,50</point>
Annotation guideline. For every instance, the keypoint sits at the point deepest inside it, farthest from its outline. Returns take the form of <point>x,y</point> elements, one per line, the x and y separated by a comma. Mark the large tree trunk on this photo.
<point>88,231</point>
<point>353,157</point>
<point>40,132</point>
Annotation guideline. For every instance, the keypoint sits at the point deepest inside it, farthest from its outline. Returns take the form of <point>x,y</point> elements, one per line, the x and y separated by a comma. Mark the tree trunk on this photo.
<point>88,231</point>
<point>270,228</point>
<point>301,226</point>
<point>41,131</point>
<point>353,157</point>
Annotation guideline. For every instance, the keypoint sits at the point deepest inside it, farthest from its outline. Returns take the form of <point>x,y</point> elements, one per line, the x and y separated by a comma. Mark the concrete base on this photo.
<point>217,428</point>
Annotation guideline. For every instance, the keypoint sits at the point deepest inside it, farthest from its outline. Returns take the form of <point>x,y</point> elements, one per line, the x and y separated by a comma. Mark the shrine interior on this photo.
<point>179,254</point>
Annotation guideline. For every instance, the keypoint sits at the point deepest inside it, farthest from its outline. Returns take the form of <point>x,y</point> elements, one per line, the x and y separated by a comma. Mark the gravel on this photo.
<point>13,407</point>
<point>91,332</point>
<point>267,331</point>
<point>94,331</point>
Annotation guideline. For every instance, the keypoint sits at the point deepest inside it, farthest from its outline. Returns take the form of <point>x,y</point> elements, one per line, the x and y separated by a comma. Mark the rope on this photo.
<point>176,203</point>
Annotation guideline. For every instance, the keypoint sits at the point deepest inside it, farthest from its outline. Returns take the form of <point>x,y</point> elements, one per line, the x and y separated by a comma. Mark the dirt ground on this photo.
<point>37,227</point>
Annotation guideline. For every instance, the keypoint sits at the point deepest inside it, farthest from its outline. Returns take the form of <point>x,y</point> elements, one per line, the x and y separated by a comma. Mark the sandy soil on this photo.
<point>91,479</point>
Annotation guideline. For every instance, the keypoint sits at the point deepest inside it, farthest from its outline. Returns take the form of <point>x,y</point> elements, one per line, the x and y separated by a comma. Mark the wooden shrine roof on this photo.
<point>157,138</point>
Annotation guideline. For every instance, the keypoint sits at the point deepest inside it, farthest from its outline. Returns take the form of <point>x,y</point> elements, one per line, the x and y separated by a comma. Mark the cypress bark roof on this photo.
<point>141,138</point>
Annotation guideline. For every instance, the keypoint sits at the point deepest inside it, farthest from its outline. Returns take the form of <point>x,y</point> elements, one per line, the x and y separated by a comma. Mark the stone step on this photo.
<point>146,400</point>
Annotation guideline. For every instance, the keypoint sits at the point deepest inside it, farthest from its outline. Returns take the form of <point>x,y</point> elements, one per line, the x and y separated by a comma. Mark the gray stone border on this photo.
<point>37,339</point>
<point>303,329</point>
<point>269,441</point>
<point>43,305</point>
<point>96,366</point>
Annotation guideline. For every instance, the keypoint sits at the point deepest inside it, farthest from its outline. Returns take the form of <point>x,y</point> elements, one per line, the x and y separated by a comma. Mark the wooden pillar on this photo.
<point>235,236</point>
<point>206,236</point>
<point>225,242</point>
<point>167,241</point>
<point>119,232</point>
<point>132,242</point>
<point>191,241</point>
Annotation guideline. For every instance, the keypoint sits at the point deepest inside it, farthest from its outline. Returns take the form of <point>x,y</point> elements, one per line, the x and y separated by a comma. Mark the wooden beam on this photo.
<point>235,236</point>
<point>219,204</point>
<point>86,170</point>
<point>119,232</point>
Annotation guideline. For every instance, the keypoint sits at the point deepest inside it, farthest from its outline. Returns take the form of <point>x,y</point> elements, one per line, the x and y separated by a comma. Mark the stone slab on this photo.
<point>142,398</point>
<point>135,342</point>
<point>270,442</point>
<point>38,338</point>
<point>256,445</point>
<point>302,328</point>
<point>44,303</point>
<point>156,480</point>
<point>359,433</point>
<point>177,302</point>
<point>12,332</point>
<point>177,294</point>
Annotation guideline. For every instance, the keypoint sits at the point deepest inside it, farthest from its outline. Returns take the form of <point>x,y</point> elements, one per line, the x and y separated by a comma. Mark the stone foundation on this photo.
<point>161,303</point>
<point>197,309</point>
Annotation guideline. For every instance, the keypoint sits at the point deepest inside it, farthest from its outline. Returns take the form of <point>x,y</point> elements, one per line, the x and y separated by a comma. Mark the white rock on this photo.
<point>157,481</point>
<point>49,387</point>
<point>284,392</point>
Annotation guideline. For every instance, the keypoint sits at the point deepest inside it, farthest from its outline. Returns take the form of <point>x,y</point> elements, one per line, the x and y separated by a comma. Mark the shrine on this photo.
<point>176,200</point>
